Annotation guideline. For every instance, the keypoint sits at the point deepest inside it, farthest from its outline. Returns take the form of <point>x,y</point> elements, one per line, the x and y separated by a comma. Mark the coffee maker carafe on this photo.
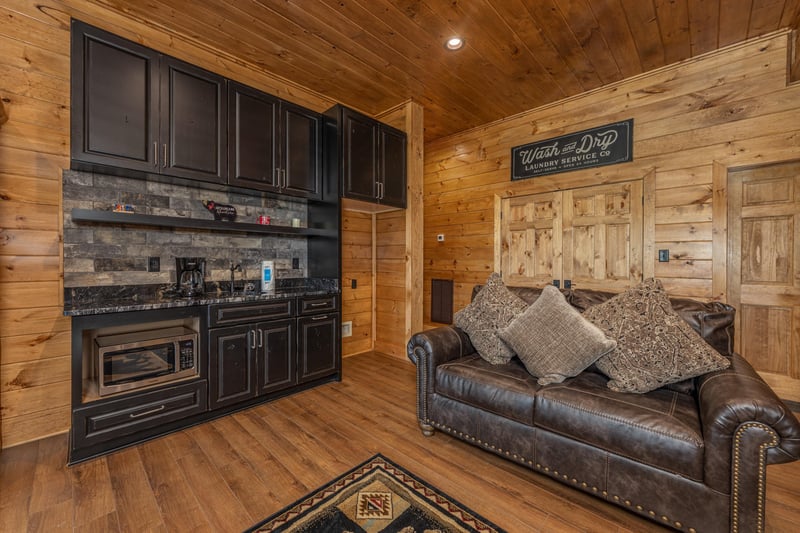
<point>191,273</point>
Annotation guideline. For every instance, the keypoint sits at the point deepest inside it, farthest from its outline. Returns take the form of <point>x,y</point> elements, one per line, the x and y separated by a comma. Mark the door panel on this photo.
<point>590,236</point>
<point>603,236</point>
<point>531,239</point>
<point>763,271</point>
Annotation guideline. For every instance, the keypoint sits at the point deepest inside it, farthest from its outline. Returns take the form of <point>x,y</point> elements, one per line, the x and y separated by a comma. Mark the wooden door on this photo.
<point>392,161</point>
<point>301,151</point>
<point>317,347</point>
<point>232,376</point>
<point>588,238</point>
<point>114,100</point>
<point>530,239</point>
<point>194,132</point>
<point>252,146</point>
<point>276,357</point>
<point>764,271</point>
<point>359,157</point>
<point>603,234</point>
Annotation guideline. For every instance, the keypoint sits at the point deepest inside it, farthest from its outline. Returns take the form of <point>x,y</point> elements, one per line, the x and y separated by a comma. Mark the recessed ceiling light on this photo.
<point>454,43</point>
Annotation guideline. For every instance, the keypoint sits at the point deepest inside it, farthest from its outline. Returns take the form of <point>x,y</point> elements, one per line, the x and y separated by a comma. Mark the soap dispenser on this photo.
<point>267,276</point>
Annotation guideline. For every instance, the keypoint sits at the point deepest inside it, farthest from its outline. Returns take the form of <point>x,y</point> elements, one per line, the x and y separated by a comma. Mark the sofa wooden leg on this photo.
<point>427,429</point>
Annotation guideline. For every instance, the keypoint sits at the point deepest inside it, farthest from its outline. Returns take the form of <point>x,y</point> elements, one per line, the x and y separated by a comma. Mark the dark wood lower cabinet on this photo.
<point>249,353</point>
<point>254,358</point>
<point>317,349</point>
<point>232,370</point>
<point>276,362</point>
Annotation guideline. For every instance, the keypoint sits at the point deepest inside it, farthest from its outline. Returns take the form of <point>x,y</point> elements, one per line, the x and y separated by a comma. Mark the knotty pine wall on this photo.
<point>34,148</point>
<point>357,264</point>
<point>692,122</point>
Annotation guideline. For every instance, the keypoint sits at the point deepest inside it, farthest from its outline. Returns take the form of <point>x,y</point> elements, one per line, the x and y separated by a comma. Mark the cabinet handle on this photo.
<point>164,163</point>
<point>150,412</point>
<point>318,304</point>
<point>253,345</point>
<point>260,338</point>
<point>380,190</point>
<point>155,153</point>
<point>321,317</point>
<point>284,182</point>
<point>276,177</point>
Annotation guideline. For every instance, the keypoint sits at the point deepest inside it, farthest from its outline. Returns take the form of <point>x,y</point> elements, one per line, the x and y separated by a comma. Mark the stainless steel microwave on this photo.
<point>140,359</point>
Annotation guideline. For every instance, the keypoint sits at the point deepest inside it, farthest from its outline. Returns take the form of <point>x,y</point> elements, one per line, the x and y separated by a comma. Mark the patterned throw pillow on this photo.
<point>655,346</point>
<point>553,340</point>
<point>492,308</point>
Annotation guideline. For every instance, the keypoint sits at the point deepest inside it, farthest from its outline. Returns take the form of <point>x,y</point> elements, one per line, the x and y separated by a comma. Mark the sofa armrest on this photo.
<point>745,427</point>
<point>428,350</point>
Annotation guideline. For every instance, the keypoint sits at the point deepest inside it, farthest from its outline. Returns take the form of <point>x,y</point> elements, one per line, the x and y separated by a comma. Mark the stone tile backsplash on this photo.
<point>102,254</point>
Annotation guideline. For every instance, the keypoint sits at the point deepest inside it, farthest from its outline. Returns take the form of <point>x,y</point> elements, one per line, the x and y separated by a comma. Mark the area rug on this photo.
<point>376,496</point>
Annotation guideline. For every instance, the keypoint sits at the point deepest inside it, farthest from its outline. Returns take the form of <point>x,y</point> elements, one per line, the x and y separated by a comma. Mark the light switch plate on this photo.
<point>347,328</point>
<point>663,256</point>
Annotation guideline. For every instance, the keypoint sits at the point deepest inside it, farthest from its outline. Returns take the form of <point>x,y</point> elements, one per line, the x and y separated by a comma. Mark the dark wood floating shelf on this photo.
<point>110,217</point>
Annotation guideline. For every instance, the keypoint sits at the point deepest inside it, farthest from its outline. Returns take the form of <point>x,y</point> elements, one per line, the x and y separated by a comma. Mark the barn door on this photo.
<point>764,271</point>
<point>591,237</point>
<point>530,233</point>
<point>603,236</point>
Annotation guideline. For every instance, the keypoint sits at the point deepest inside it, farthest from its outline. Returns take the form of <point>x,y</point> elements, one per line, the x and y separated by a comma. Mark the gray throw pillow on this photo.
<point>553,340</point>
<point>492,308</point>
<point>655,346</point>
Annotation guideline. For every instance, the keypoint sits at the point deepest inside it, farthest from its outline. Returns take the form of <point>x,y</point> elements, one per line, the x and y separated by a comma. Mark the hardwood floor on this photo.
<point>228,474</point>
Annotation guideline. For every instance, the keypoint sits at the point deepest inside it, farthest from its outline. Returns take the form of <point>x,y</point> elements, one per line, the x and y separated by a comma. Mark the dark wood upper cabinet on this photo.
<point>114,100</point>
<point>193,122</point>
<point>373,159</point>
<point>136,109</point>
<point>274,145</point>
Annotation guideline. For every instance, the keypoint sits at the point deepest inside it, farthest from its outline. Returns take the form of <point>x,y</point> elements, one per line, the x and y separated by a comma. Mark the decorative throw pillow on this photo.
<point>553,340</point>
<point>492,308</point>
<point>655,346</point>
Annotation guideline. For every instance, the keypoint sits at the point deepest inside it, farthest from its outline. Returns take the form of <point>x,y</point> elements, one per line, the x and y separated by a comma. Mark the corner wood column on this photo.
<point>414,219</point>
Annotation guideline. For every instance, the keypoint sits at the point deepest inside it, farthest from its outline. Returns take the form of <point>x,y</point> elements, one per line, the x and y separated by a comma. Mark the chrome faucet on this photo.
<point>233,269</point>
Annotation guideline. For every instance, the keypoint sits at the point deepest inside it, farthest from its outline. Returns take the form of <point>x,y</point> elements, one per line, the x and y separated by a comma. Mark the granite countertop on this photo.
<point>94,300</point>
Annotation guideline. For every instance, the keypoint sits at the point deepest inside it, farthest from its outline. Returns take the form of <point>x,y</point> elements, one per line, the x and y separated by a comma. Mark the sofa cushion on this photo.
<point>492,308</point>
<point>507,390</point>
<point>660,428</point>
<point>655,346</point>
<point>553,340</point>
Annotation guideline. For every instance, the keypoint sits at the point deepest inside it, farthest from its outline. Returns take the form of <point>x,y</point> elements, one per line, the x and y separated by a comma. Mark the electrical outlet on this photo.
<point>295,263</point>
<point>153,264</point>
<point>353,283</point>
<point>663,256</point>
<point>347,328</point>
<point>440,237</point>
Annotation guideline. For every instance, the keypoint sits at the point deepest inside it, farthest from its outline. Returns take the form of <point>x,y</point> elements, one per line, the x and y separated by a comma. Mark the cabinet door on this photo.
<point>275,363</point>
<point>114,100</point>
<point>317,346</point>
<point>252,138</point>
<point>232,376</point>
<point>392,190</point>
<point>359,156</point>
<point>193,126</point>
<point>301,151</point>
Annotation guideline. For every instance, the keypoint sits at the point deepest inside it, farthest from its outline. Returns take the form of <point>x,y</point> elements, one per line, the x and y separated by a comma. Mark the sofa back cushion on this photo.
<point>712,320</point>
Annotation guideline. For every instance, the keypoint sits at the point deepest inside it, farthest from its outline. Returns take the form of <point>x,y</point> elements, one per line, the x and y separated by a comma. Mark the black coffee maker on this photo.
<point>190,274</point>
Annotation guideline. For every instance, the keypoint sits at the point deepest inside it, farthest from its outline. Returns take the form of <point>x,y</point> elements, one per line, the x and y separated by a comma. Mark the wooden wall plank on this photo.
<point>691,120</point>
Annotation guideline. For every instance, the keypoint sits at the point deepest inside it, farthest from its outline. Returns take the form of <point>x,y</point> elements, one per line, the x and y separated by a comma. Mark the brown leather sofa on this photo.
<point>691,455</point>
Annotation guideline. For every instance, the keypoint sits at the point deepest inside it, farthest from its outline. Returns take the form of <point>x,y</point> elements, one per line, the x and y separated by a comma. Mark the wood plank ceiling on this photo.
<point>519,54</point>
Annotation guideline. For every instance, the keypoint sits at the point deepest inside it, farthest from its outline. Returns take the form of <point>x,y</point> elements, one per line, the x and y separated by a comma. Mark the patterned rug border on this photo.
<point>425,490</point>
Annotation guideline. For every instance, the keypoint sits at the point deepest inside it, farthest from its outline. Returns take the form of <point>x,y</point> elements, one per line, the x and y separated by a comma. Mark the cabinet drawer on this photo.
<point>221,315</point>
<point>317,304</point>
<point>136,412</point>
